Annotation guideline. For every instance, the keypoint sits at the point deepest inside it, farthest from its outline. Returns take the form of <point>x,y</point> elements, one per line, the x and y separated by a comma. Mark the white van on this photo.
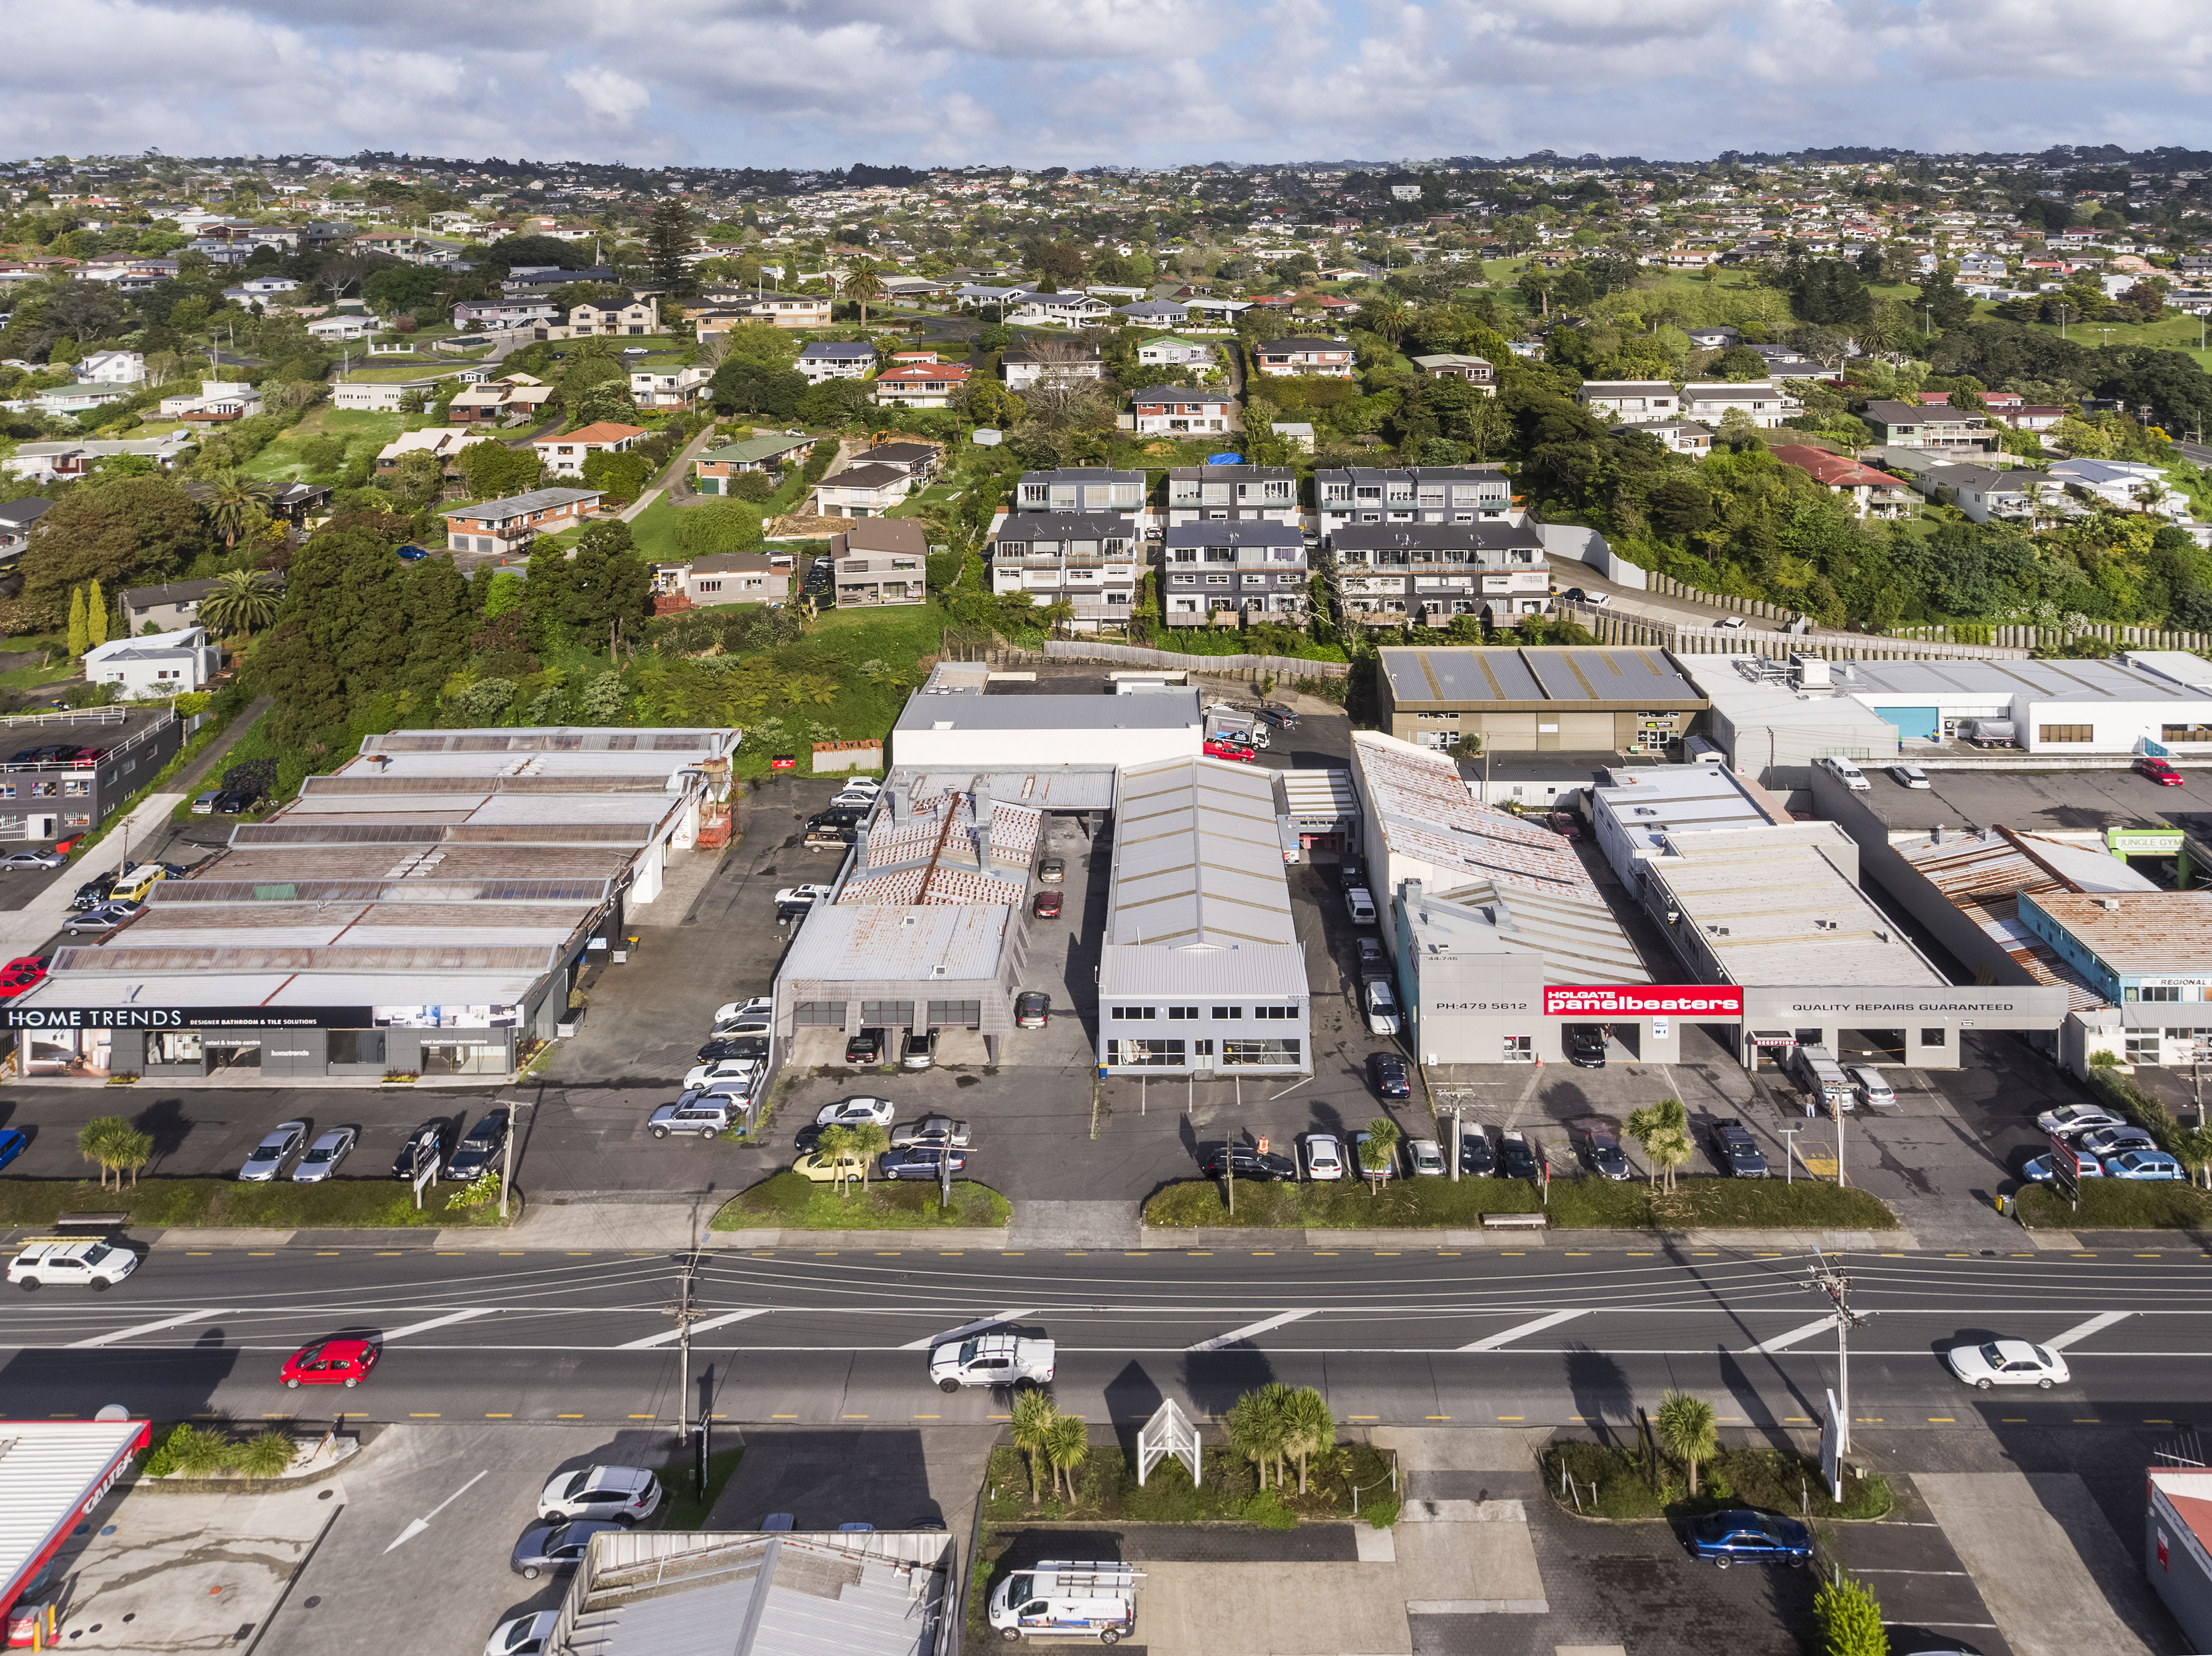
<point>1060,1598</point>
<point>1380,1007</point>
<point>1818,1073</point>
<point>1362,906</point>
<point>1848,773</point>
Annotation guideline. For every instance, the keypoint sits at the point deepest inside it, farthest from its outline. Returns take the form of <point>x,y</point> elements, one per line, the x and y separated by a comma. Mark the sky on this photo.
<point>819,83</point>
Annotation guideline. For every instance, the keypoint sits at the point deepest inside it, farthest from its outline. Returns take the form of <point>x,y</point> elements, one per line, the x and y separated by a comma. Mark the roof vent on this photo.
<point>2111,904</point>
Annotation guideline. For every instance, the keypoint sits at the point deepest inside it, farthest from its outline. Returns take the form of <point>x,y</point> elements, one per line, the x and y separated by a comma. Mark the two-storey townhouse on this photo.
<point>1092,558</point>
<point>1232,494</point>
<point>784,310</point>
<point>1305,354</point>
<point>1080,488</point>
<point>510,396</point>
<point>510,525</point>
<point>633,319</point>
<point>112,368</point>
<point>1024,367</point>
<point>1178,411</point>
<point>884,561</point>
<point>836,359</point>
<point>1760,401</point>
<point>1910,425</point>
<point>669,388</point>
<point>918,385</point>
<point>498,315</point>
<point>1629,401</point>
<point>1429,495</point>
<point>1675,436</point>
<point>1038,310</point>
<point>1256,570</point>
<point>1404,575</point>
<point>565,455</point>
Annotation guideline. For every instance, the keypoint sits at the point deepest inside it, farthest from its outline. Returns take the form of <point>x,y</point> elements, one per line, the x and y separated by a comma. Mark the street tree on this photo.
<point>1034,1413</point>
<point>1309,1428</point>
<point>834,1146</point>
<point>863,284</point>
<point>1687,1431</point>
<point>1849,1619</point>
<point>1066,1442</point>
<point>1379,1151</point>
<point>1258,1428</point>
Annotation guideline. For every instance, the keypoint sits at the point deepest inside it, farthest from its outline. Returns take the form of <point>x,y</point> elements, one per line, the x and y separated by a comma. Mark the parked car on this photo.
<point>1869,1088</point>
<point>726,1069</point>
<point>555,1548</point>
<point>918,1051</point>
<point>1360,906</point>
<point>704,1112</point>
<point>1736,1151</point>
<point>1045,905</point>
<point>203,803</point>
<point>231,802</point>
<point>760,1006</point>
<point>1729,624</point>
<point>33,860</point>
<point>266,1161</point>
<point>2007,1362</point>
<point>1584,1044</point>
<point>620,1495</point>
<point>24,971</point>
<point>1324,1156</point>
<point>1220,747</point>
<point>1516,1155</point>
<point>2102,1142</point>
<point>1599,1147</point>
<point>480,1147</point>
<point>1424,1159</point>
<point>1740,1536</point>
<point>1280,717</point>
<point>1351,870</point>
<point>802,894</point>
<point>919,1162</point>
<point>720,1047</point>
<point>819,1168</point>
<point>431,1142</point>
<point>1246,1162</point>
<point>866,1047</point>
<point>94,892</point>
<point>931,1130</point>
<point>105,918</point>
<point>1476,1155</point>
<point>1370,954</point>
<point>1908,776</point>
<point>330,1362</point>
<point>323,1156</point>
<point>1052,869</point>
<point>1032,1009</point>
<point>854,1112</point>
<point>1846,773</point>
<point>12,1145</point>
<point>2076,1118</point>
<point>738,1027</point>
<point>851,799</point>
<point>523,1636</point>
<point>1380,1005</point>
<point>2039,1171</point>
<point>2159,772</point>
<point>1386,1074</point>
<point>1355,1142</point>
<point>2143,1164</point>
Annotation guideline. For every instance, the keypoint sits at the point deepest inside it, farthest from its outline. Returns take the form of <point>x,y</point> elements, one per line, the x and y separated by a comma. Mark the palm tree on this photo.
<point>1066,1442</point>
<point>835,1145</point>
<point>1057,614</point>
<point>233,500</point>
<point>871,1140</point>
<point>1686,1427</point>
<point>1378,1151</point>
<point>96,1142</point>
<point>1387,315</point>
<point>1669,1148</point>
<point>1649,1127</point>
<point>1308,1429</point>
<point>241,601</point>
<point>1256,1430</point>
<point>1034,1413</point>
<point>862,284</point>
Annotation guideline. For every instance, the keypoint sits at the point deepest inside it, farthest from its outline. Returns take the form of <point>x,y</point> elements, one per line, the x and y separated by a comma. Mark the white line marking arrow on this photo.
<point>669,1336</point>
<point>416,1526</point>
<point>1491,1342</point>
<point>449,1319</point>
<point>1238,1336</point>
<point>2081,1332</point>
<point>977,1327</point>
<point>143,1328</point>
<point>1783,1342</point>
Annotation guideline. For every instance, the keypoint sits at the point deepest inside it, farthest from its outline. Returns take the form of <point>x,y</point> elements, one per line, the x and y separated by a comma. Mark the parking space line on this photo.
<point>1491,1342</point>
<point>1238,1336</point>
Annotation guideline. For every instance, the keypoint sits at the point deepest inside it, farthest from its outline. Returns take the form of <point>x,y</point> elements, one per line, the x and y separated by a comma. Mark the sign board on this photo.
<point>1835,1441</point>
<point>426,1168</point>
<point>1169,1432</point>
<point>2065,1170</point>
<point>1997,1006</point>
<point>260,1017</point>
<point>1636,1000</point>
<point>2143,842</point>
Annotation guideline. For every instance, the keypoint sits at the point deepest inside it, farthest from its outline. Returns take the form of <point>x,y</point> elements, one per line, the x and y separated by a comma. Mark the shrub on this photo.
<point>1267,1510</point>
<point>197,1451</point>
<point>266,1454</point>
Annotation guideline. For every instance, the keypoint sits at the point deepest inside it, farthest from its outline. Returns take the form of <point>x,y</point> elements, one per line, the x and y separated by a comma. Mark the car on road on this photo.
<point>821,1170</point>
<point>523,1636</point>
<point>992,1360</point>
<point>2039,1171</point>
<point>1032,1009</point>
<point>24,971</point>
<point>1869,1088</point>
<point>760,1006</point>
<point>1386,1074</point>
<point>1355,1142</point>
<point>480,1147</point>
<point>705,1112</point>
<point>1908,776</point>
<point>265,1162</point>
<point>105,918</point>
<point>1599,1146</point>
<point>726,1069</point>
<point>17,861</point>
<point>12,1145</point>
<point>1324,1156</point>
<point>1516,1155</point>
<point>2143,1164</point>
<point>1217,746</point>
<point>918,1049</point>
<point>330,1362</point>
<point>1584,1044</point>
<point>2076,1118</point>
<point>930,1130</point>
<point>1476,1155</point>
<point>1736,1151</point>
<point>853,1112</point>
<point>620,1495</point>
<point>70,1260</point>
<point>1246,1162</point>
<point>1045,905</point>
<point>866,1047</point>
<point>1424,1158</point>
<point>94,892</point>
<point>2007,1362</point>
<point>1052,871</point>
<point>801,894</point>
<point>1739,1535</point>
<point>431,1142</point>
<point>2159,772</point>
<point>1729,624</point>
<point>1591,595</point>
<point>555,1548</point>
<point>919,1162</point>
<point>1360,906</point>
<point>323,1156</point>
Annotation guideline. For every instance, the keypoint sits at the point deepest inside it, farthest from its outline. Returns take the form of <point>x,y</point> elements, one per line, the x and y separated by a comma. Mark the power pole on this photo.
<point>686,1312</point>
<point>1837,1285</point>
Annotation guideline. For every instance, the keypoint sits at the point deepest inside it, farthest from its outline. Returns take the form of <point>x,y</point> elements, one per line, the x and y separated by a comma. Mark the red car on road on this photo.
<point>1217,748</point>
<point>2159,772</point>
<point>330,1362</point>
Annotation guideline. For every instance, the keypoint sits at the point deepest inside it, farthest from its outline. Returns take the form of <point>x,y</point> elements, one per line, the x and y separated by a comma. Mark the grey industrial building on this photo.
<point>967,716</point>
<point>63,774</point>
<point>425,909</point>
<point>1576,698</point>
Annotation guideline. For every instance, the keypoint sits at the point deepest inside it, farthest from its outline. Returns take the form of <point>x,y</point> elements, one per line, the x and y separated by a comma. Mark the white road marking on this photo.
<point>416,1526</point>
<point>1238,1336</point>
<point>2081,1331</point>
<point>976,1327</point>
<point>446,1320</point>
<point>142,1328</point>
<point>668,1337</point>
<point>1783,1342</point>
<point>1491,1342</point>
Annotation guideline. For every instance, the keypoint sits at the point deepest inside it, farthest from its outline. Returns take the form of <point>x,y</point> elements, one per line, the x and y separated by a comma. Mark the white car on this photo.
<point>524,1636</point>
<point>728,1069</point>
<point>1324,1156</point>
<point>1846,773</point>
<point>269,1156</point>
<point>95,1265</point>
<point>323,1155</point>
<point>992,1360</point>
<point>2076,1118</point>
<point>760,1006</point>
<point>2007,1362</point>
<point>625,1495</point>
<point>856,1112</point>
<point>802,894</point>
<point>738,1026</point>
<point>1908,776</point>
<point>1729,624</point>
<point>1425,1158</point>
<point>1380,1007</point>
<point>866,785</point>
<point>1873,1091</point>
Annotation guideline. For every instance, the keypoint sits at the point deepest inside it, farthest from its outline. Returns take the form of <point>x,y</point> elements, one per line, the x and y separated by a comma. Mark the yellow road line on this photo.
<point>411,1417</point>
<point>499,1417</point>
<point>645,1417</point>
<point>567,1418</point>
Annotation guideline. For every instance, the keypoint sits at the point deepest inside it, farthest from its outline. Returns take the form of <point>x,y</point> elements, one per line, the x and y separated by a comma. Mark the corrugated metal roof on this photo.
<point>1071,788</point>
<point>1427,817</point>
<point>306,831</point>
<point>553,739</point>
<point>48,1470</point>
<point>1595,677</point>
<point>844,942</point>
<point>2043,680</point>
<point>1318,793</point>
<point>1575,934</point>
<point>171,893</point>
<point>2134,932</point>
<point>97,986</point>
<point>115,959</point>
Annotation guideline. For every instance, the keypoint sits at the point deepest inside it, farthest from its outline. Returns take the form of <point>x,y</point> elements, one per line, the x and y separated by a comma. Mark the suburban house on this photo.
<point>1175,410</point>
<point>16,517</point>
<point>442,443</point>
<point>1024,367</point>
<point>1301,354</point>
<point>261,291</point>
<point>1037,310</point>
<point>920,385</point>
<point>170,608</point>
<point>1167,350</point>
<point>1984,492</point>
<point>1397,574</point>
<point>862,490</point>
<point>1080,488</point>
<point>510,525</point>
<point>836,359</point>
<point>294,502</point>
<point>2129,485</point>
<point>1155,313</point>
<point>337,329</point>
<point>510,396</point>
<point>112,368</point>
<point>369,396</point>
<point>1630,401</point>
<point>565,455</point>
<point>1093,559</point>
<point>882,562</point>
<point>1233,493</point>
<point>1435,494</point>
<point>154,664</point>
<point>1873,494</point>
<point>784,310</point>
<point>669,388</point>
<point>1223,572</point>
<point>215,402</point>
<point>725,578</point>
<point>919,461</point>
<point>639,316</point>
<point>1760,401</point>
<point>1907,425</point>
<point>1475,370</point>
<point>497,315</point>
<point>2028,416</point>
<point>711,472</point>
<point>1676,436</point>
<point>44,463</point>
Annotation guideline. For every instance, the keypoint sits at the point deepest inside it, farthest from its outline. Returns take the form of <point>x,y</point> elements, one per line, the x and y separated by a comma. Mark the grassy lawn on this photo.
<point>341,1203</point>
<point>363,429</point>
<point>1634,1482</point>
<point>654,530</point>
<point>1575,1204</point>
<point>2173,333</point>
<point>2119,1204</point>
<point>402,374</point>
<point>61,670</point>
<point>793,1202</point>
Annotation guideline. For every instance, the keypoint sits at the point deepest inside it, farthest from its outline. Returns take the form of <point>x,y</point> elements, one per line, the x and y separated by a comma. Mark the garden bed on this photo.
<point>334,1204</point>
<point>1574,1204</point>
<point>1107,1490</point>
<point>792,1201</point>
<point>1628,1483</point>
<point>2117,1205</point>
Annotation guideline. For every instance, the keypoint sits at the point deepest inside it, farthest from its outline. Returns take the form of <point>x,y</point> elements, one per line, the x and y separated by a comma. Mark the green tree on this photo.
<point>440,618</point>
<point>609,589</point>
<point>1686,1431</point>
<point>1257,1427</point>
<point>396,288</point>
<point>669,241</point>
<point>1066,1442</point>
<point>80,635</point>
<point>1033,1416</point>
<point>621,476</point>
<point>241,601</point>
<point>835,1148</point>
<point>1644,1125</point>
<point>236,504</point>
<point>718,526</point>
<point>870,1139</point>
<point>1849,1619</point>
<point>1309,1428</point>
<point>495,472</point>
<point>341,634</point>
<point>122,532</point>
<point>95,614</point>
<point>114,1145</point>
<point>1378,1151</point>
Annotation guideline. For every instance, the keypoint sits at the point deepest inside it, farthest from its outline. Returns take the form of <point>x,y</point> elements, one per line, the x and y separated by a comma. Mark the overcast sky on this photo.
<point>1074,82</point>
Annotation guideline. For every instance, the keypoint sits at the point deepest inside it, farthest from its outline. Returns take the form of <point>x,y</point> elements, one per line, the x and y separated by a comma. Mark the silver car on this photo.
<point>323,1155</point>
<point>267,1161</point>
<point>930,1130</point>
<point>1873,1091</point>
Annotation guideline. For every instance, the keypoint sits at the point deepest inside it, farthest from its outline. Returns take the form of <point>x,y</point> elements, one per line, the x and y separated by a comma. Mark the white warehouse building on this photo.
<point>967,718</point>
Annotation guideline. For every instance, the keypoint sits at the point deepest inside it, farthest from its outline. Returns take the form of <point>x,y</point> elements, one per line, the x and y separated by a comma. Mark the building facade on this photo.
<point>1431,573</point>
<point>1091,559</point>
<point>1425,495</point>
<point>1233,493</point>
<point>1251,572</point>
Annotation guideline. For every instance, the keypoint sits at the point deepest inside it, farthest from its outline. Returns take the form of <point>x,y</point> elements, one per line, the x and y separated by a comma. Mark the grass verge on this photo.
<point>1631,1482</point>
<point>338,1204</point>
<point>1575,1204</point>
<point>2117,1205</point>
<point>793,1202</point>
<point>682,1506</point>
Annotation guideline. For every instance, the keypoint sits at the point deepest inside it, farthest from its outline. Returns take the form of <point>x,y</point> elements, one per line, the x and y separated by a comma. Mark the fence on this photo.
<point>2032,637</point>
<point>1683,639</point>
<point>1131,655</point>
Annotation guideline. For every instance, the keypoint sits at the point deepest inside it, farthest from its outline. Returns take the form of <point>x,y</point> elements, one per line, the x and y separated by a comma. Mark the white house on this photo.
<point>112,368</point>
<point>368,395</point>
<point>836,359</point>
<point>343,327</point>
<point>1762,402</point>
<point>669,388</point>
<point>161,664</point>
<point>1024,367</point>
<point>1176,353</point>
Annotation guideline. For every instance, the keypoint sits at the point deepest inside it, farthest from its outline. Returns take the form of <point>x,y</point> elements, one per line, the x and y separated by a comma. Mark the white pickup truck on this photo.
<point>991,1360</point>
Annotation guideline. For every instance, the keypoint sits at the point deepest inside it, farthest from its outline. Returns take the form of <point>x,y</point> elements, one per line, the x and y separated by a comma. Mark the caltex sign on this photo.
<point>1641,1000</point>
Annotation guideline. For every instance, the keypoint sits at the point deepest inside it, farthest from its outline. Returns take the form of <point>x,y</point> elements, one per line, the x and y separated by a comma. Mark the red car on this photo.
<point>1046,905</point>
<point>330,1362</point>
<point>1219,748</point>
<point>2159,772</point>
<point>25,971</point>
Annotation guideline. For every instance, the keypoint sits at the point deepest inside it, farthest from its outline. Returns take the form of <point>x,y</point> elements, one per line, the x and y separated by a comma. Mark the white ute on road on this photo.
<point>69,1260</point>
<point>991,1360</point>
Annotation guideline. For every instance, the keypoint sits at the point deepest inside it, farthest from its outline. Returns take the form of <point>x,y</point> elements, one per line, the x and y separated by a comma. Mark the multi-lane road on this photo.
<point>1544,1338</point>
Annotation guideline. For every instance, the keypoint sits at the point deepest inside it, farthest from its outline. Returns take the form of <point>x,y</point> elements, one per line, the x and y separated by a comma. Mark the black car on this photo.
<point>722,1046</point>
<point>1246,1162</point>
<point>919,1161</point>
<point>835,816</point>
<point>1386,1074</point>
<point>93,893</point>
<point>480,1148</point>
<point>432,1140</point>
<point>793,913</point>
<point>230,803</point>
<point>1585,1045</point>
<point>808,1138</point>
<point>1351,870</point>
<point>1736,1151</point>
<point>1599,1146</point>
<point>1516,1155</point>
<point>1475,1154</point>
<point>866,1047</point>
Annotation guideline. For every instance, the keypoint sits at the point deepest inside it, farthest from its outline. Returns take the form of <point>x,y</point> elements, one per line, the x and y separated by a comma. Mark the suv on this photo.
<point>1585,1045</point>
<point>1360,906</point>
<point>96,1264</point>
<point>1599,1146</point>
<point>918,1052</point>
<point>1476,1155</point>
<point>704,1111</point>
<point>625,1495</point>
<point>1736,1151</point>
<point>479,1148</point>
<point>991,1360</point>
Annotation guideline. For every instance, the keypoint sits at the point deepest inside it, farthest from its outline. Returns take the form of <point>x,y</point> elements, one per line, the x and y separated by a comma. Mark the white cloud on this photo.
<point>609,99</point>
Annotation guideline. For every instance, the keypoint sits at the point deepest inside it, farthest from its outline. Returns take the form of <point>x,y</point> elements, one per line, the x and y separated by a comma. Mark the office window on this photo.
<point>1520,1049</point>
<point>2162,992</point>
<point>356,1046</point>
<point>2143,1046</point>
<point>1933,1038</point>
<point>2185,732</point>
<point>818,1015</point>
<point>1144,1054</point>
<point>1274,1012</point>
<point>955,1014</point>
<point>1260,1052</point>
<point>1126,1013</point>
<point>1183,1012</point>
<point>2065,733</point>
<point>1223,1013</point>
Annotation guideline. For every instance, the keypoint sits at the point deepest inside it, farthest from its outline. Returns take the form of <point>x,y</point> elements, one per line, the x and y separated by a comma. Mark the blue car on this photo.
<point>2143,1164</point>
<point>1743,1537</point>
<point>413,554</point>
<point>11,1146</point>
<point>2039,1169</point>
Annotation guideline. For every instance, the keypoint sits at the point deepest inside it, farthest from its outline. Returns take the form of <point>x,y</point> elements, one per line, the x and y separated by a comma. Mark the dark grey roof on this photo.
<point>865,476</point>
<point>176,591</point>
<point>515,505</point>
<point>18,514</point>
<point>1437,538</point>
<point>1179,394</point>
<point>1594,676</point>
<point>1222,532</point>
<point>1023,527</point>
<point>1304,343</point>
<point>1083,475</point>
<point>898,454</point>
<point>1228,473</point>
